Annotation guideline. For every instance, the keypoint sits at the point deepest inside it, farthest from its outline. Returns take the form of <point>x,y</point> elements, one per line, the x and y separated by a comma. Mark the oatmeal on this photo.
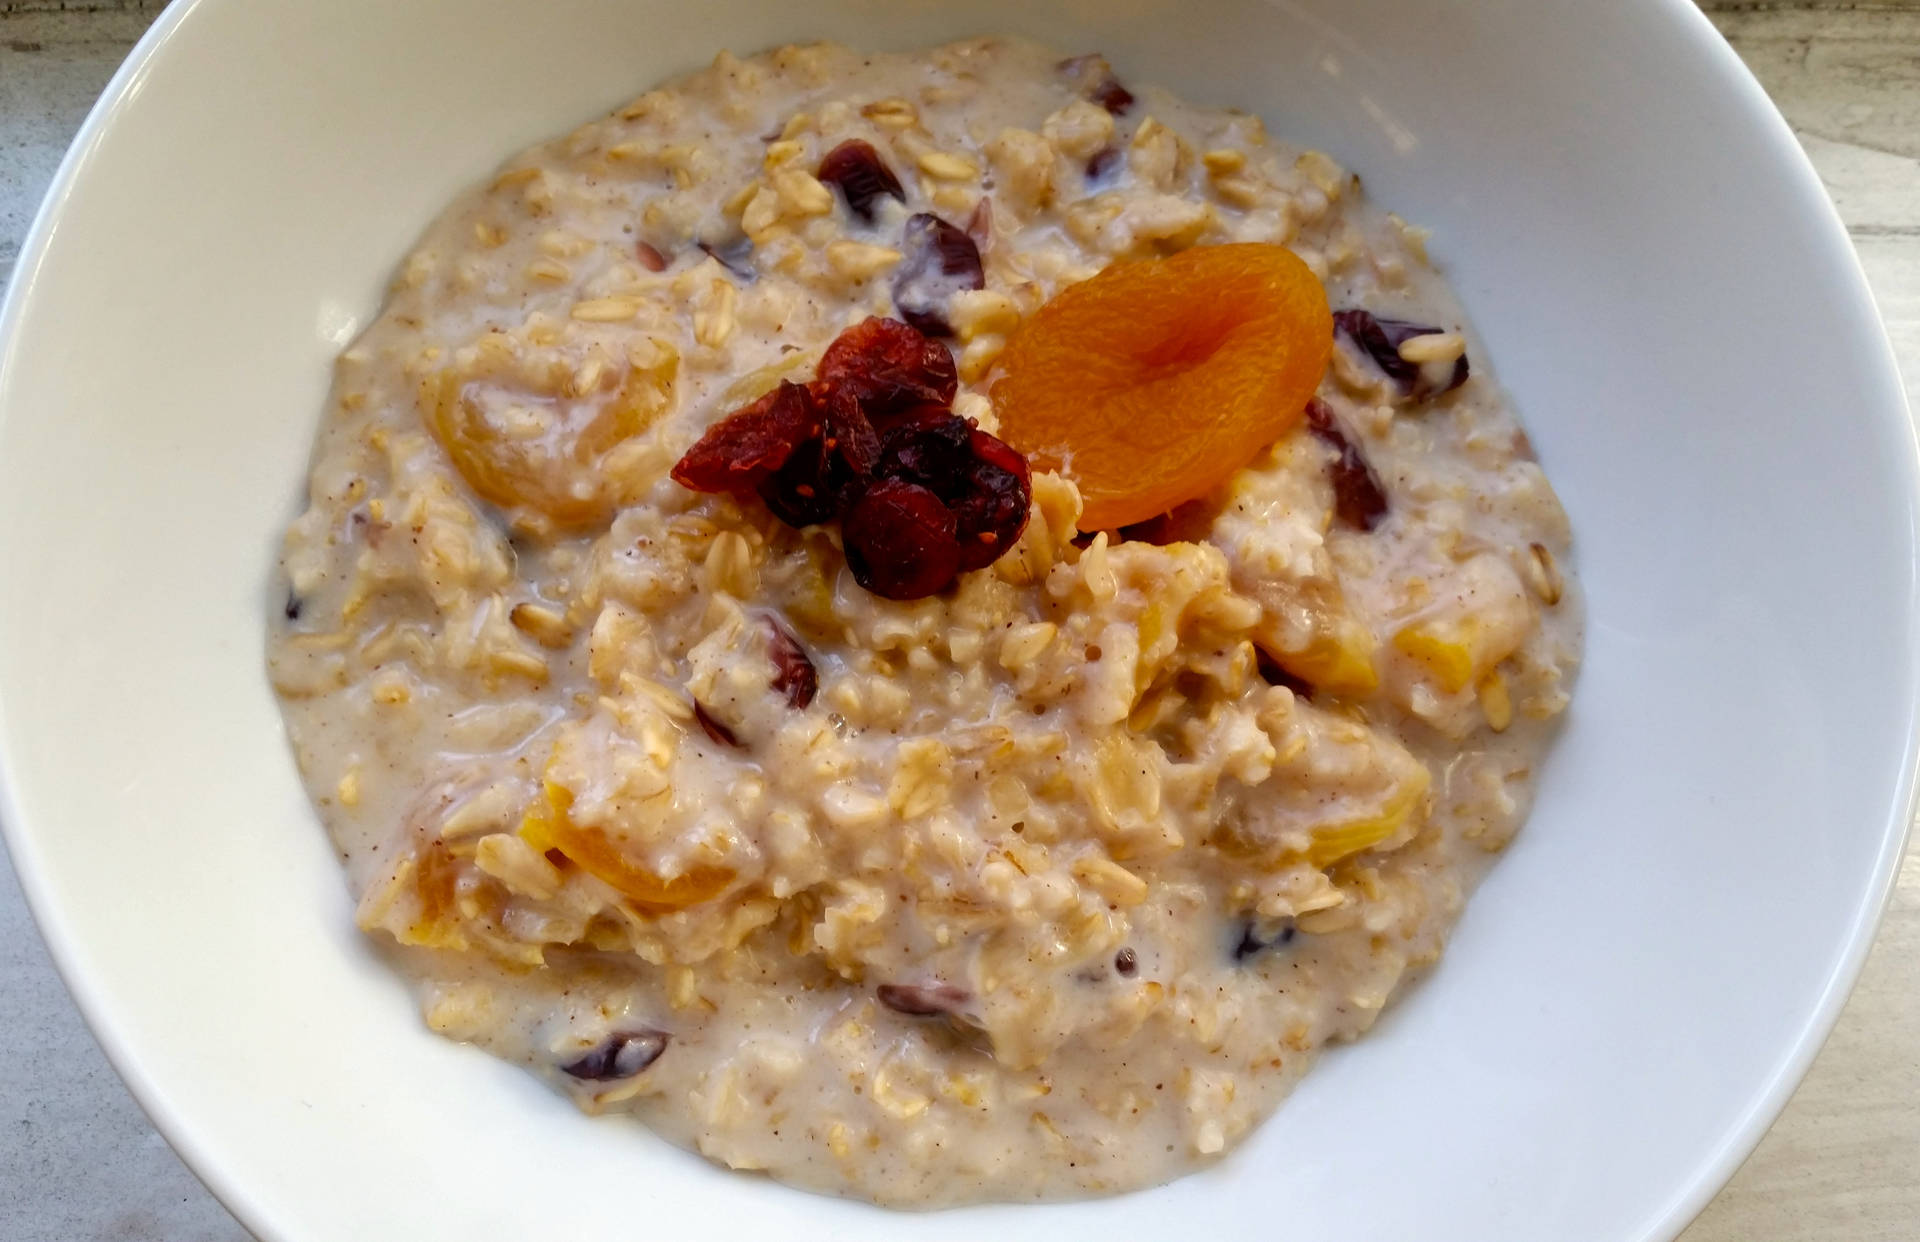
<point>769,666</point>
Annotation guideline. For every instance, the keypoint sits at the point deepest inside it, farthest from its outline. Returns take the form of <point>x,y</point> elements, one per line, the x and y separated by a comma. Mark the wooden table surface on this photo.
<point>78,1162</point>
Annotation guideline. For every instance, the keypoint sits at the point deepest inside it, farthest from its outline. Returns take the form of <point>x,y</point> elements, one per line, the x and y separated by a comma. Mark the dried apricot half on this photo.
<point>1151,383</point>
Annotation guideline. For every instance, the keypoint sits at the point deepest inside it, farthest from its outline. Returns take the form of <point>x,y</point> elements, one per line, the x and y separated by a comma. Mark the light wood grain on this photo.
<point>78,1162</point>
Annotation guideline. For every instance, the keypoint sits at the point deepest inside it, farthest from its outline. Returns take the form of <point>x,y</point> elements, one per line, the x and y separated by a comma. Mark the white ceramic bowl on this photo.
<point>1656,274</point>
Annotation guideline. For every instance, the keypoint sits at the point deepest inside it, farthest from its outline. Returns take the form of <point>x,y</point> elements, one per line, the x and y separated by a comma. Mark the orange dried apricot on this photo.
<point>1154,381</point>
<point>550,826</point>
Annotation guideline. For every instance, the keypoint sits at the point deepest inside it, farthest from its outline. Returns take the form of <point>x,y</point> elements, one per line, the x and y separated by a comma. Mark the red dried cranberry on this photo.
<point>991,508</point>
<point>793,671</point>
<point>650,257</point>
<point>1380,339</point>
<point>797,493</point>
<point>1358,499</point>
<point>900,541</point>
<point>713,728</point>
<point>890,366</point>
<point>1112,96</point>
<point>929,446</point>
<point>1097,82</point>
<point>747,446</point>
<point>941,261</point>
<point>813,484</point>
<point>1104,161</point>
<point>861,175</point>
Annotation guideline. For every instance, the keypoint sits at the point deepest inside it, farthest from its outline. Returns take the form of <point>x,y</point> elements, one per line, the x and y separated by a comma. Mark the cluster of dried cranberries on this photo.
<point>922,494</point>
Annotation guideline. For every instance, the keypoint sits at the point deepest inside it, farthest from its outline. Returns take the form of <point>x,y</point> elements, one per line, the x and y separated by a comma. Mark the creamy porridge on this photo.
<point>1009,829</point>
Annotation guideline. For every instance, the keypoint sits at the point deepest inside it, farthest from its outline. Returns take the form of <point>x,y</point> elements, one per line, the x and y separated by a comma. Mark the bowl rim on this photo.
<point>1683,20</point>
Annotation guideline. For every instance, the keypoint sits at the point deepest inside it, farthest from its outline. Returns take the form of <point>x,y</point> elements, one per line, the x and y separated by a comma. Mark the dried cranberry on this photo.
<point>1097,82</point>
<point>797,492</point>
<point>793,671</point>
<point>735,254</point>
<point>1112,96</point>
<point>814,483</point>
<point>1255,939</point>
<point>750,444</point>
<point>900,541</point>
<point>1380,339</point>
<point>1104,161</point>
<point>890,367</point>
<point>713,728</point>
<point>1358,499</point>
<point>941,261</point>
<point>923,1000</point>
<point>862,176</point>
<point>620,1055</point>
<point>650,257</point>
<point>929,446</point>
<point>991,506</point>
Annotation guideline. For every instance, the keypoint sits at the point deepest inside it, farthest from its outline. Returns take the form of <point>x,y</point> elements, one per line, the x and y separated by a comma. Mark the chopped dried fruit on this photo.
<point>1103,162</point>
<point>923,1000</point>
<point>1358,499</point>
<point>890,367</point>
<point>813,485</point>
<point>720,734</point>
<point>991,506</point>
<point>735,254</point>
<point>746,447</point>
<point>1154,381</point>
<point>620,1055</point>
<point>981,479</point>
<point>861,176</point>
<point>1256,939</point>
<point>793,671</point>
<point>1333,842</point>
<point>930,446</point>
<point>1327,645</point>
<point>1381,339</point>
<point>548,826</point>
<point>941,261</point>
<point>901,541</point>
<point>921,493</point>
<point>1097,82</point>
<point>557,471</point>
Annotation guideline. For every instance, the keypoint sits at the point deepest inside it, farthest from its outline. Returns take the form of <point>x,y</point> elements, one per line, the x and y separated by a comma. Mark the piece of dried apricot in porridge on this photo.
<point>933,624</point>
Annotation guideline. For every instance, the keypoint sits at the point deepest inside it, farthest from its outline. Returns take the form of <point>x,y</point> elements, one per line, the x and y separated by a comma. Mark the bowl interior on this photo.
<point>1658,280</point>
